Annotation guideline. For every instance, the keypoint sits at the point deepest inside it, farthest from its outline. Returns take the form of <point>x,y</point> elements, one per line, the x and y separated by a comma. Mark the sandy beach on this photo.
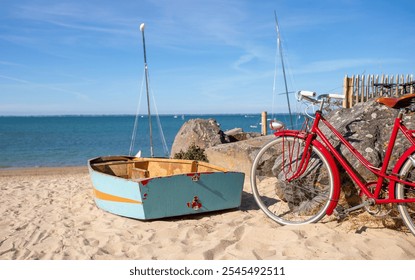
<point>49,213</point>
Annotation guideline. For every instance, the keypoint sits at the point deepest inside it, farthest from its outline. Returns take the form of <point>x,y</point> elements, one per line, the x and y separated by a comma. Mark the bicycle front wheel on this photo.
<point>407,210</point>
<point>289,188</point>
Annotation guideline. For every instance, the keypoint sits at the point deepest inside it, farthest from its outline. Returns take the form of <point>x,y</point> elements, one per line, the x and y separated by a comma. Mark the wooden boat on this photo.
<point>153,188</point>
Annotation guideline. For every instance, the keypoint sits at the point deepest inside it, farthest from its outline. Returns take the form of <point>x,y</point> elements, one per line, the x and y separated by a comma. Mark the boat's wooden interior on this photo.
<point>141,168</point>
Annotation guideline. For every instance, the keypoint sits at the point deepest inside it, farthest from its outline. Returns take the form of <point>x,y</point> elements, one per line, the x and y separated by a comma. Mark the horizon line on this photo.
<point>143,115</point>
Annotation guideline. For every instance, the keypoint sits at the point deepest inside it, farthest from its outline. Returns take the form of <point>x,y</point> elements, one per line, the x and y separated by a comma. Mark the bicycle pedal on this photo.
<point>341,216</point>
<point>340,212</point>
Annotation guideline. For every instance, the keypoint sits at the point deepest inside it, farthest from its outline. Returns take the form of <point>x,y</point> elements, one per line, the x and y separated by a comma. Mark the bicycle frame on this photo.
<point>381,172</point>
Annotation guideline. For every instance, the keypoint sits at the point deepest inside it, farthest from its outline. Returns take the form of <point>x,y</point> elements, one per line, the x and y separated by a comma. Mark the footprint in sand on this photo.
<point>224,244</point>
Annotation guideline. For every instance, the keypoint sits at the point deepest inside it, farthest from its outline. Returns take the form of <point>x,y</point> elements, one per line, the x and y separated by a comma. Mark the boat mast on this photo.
<point>148,96</point>
<point>283,67</point>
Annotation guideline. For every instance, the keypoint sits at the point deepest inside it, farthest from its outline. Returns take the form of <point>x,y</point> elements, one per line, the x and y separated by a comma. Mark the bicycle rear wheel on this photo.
<point>407,210</point>
<point>289,190</point>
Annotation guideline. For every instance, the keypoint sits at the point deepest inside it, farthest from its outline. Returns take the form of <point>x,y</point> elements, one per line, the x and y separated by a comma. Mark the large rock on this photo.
<point>204,133</point>
<point>237,156</point>
<point>237,134</point>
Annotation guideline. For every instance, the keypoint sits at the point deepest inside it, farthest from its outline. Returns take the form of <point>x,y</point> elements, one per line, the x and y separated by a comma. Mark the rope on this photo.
<point>133,136</point>
<point>160,128</point>
<point>163,139</point>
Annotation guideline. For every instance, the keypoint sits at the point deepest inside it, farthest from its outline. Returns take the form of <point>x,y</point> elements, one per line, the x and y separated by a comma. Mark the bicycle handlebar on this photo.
<point>307,93</point>
<point>309,96</point>
<point>331,95</point>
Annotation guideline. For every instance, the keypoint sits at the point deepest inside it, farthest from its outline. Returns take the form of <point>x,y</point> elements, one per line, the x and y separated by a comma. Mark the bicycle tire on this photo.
<point>303,200</point>
<point>407,210</point>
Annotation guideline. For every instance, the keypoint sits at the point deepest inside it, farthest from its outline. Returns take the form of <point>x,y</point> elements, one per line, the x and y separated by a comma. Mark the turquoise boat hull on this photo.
<point>204,188</point>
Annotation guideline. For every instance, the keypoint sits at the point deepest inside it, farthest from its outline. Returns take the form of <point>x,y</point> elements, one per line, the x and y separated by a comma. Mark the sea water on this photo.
<point>36,141</point>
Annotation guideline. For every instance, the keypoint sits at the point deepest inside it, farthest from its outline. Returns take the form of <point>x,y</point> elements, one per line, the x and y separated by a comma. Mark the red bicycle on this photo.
<point>295,179</point>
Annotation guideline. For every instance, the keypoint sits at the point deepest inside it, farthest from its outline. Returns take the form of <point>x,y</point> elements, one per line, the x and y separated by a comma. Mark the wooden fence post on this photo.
<point>356,89</point>
<point>347,92</point>
<point>264,124</point>
<point>345,85</point>
<point>351,89</point>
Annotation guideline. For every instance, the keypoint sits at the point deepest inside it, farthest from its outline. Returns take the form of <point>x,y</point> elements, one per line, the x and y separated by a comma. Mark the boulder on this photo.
<point>237,134</point>
<point>237,156</point>
<point>204,133</point>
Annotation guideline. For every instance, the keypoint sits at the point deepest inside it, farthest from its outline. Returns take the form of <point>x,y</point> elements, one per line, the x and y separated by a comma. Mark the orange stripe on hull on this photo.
<point>104,196</point>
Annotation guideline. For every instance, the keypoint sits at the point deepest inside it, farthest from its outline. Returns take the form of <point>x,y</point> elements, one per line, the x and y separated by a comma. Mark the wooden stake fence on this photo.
<point>361,88</point>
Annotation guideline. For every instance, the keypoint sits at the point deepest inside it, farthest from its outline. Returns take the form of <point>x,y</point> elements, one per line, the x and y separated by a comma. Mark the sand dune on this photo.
<point>49,213</point>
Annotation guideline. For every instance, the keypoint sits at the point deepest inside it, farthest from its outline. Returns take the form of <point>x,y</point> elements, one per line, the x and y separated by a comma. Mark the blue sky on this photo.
<point>216,56</point>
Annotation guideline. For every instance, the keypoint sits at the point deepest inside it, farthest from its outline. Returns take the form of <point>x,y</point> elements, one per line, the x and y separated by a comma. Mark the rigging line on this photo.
<point>134,134</point>
<point>291,82</point>
<point>274,85</point>
<point>163,139</point>
<point>282,65</point>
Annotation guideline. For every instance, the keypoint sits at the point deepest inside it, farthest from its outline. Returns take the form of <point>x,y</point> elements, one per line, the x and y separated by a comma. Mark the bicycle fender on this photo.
<point>332,163</point>
<point>288,132</point>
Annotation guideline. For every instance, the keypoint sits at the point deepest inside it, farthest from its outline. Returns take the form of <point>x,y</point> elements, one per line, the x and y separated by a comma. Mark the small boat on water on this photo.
<point>154,188</point>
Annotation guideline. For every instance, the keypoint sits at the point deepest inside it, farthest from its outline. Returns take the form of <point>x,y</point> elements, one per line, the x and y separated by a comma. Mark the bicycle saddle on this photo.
<point>397,103</point>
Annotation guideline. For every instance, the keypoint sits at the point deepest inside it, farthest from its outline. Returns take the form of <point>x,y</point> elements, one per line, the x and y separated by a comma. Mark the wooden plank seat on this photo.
<point>138,173</point>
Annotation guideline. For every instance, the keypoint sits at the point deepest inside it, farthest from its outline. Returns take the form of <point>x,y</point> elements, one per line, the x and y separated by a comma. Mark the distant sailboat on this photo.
<point>153,188</point>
